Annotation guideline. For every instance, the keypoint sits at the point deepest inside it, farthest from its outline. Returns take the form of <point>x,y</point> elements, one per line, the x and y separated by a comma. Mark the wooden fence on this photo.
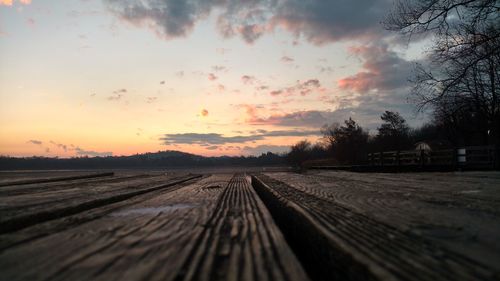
<point>480,157</point>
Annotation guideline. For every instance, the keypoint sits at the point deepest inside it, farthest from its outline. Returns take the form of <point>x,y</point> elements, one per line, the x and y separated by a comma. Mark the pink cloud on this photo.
<point>303,88</point>
<point>212,77</point>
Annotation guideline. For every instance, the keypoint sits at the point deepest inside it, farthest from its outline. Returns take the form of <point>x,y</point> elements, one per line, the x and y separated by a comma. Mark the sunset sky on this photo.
<point>211,77</point>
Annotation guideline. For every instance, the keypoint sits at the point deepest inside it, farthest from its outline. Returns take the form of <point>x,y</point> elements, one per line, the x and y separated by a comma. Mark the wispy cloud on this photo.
<point>219,68</point>
<point>302,88</point>
<point>117,95</point>
<point>36,142</point>
<point>151,99</point>
<point>219,139</point>
<point>247,79</point>
<point>60,145</point>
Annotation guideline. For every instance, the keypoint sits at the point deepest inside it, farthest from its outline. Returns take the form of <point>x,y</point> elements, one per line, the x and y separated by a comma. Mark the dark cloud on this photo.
<point>120,91</point>
<point>36,142</point>
<point>312,118</point>
<point>219,139</point>
<point>162,82</point>
<point>286,59</point>
<point>82,152</point>
<point>259,149</point>
<point>318,21</point>
<point>382,69</point>
<point>276,92</point>
<point>365,109</point>
<point>247,79</point>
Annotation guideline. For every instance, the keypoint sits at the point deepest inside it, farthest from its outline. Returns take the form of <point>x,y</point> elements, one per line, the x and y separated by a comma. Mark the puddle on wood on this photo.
<point>153,210</point>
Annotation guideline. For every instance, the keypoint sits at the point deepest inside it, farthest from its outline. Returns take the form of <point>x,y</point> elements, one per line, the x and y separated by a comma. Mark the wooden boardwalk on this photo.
<point>322,225</point>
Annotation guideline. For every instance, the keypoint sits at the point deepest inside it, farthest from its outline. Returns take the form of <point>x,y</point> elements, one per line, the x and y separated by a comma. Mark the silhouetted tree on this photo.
<point>347,143</point>
<point>462,79</point>
<point>299,153</point>
<point>393,134</point>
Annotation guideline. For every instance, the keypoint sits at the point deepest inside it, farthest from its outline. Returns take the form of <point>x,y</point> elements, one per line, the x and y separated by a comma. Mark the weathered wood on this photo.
<point>458,211</point>
<point>54,186</point>
<point>15,215</point>
<point>360,232</point>
<point>216,228</point>
<point>55,179</point>
<point>42,229</point>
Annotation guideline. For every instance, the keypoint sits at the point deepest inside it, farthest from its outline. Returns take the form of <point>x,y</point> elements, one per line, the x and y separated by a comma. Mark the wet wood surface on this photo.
<point>320,225</point>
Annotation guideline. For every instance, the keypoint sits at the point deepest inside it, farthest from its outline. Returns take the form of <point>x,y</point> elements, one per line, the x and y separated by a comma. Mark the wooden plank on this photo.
<point>55,179</point>
<point>456,212</point>
<point>81,184</point>
<point>214,229</point>
<point>21,199</point>
<point>13,219</point>
<point>42,229</point>
<point>350,243</point>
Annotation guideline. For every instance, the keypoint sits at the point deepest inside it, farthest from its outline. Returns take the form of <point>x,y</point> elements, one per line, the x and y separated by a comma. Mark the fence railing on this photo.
<point>470,157</point>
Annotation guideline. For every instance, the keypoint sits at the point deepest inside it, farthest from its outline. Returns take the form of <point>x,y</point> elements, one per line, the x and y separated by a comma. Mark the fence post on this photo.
<point>496,157</point>
<point>381,156</point>
<point>398,160</point>
<point>422,158</point>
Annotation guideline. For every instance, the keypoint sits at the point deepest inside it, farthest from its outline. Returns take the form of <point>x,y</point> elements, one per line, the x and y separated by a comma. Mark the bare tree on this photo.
<point>463,73</point>
<point>299,153</point>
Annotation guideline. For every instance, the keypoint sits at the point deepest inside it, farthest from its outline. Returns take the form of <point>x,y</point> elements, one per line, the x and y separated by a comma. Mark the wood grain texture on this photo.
<point>332,222</point>
<point>459,211</point>
<point>20,211</point>
<point>54,179</point>
<point>216,228</point>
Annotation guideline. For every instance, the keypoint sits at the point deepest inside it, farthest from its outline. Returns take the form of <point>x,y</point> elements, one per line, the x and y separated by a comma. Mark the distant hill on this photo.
<point>169,158</point>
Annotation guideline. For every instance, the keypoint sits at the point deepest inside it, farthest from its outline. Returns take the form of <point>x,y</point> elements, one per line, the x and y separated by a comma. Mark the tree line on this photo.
<point>160,159</point>
<point>349,143</point>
